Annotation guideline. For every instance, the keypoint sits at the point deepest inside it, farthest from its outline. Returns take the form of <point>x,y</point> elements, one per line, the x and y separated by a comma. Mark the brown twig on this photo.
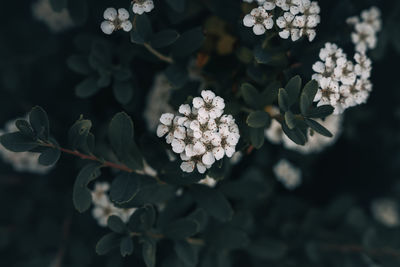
<point>354,248</point>
<point>192,241</point>
<point>158,54</point>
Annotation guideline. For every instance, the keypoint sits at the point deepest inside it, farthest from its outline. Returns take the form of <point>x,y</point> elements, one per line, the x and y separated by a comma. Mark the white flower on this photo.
<point>56,21</point>
<point>328,93</point>
<point>99,194</point>
<point>141,6</point>
<point>269,4</point>
<point>203,134</point>
<point>363,67</point>
<point>372,17</point>
<point>259,19</point>
<point>115,20</point>
<point>316,142</point>
<point>287,174</point>
<point>289,5</point>
<point>386,211</point>
<point>259,2</point>
<point>21,161</point>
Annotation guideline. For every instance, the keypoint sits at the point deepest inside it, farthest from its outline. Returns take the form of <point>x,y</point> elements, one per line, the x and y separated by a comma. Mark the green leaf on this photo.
<point>87,87</point>
<point>188,43</point>
<point>304,104</point>
<point>307,96</point>
<point>296,135</point>
<point>126,246</point>
<point>143,31</point>
<point>79,64</point>
<point>149,252</point>
<point>181,229</point>
<point>120,131</point>
<point>212,201</point>
<point>107,243</point>
<point>81,195</point>
<point>257,137</point>
<point>283,100</point>
<point>290,120</point>
<point>293,88</point>
<point>251,95</point>
<point>78,135</point>
<point>49,156</point>
<point>124,188</point>
<point>164,38</point>
<point>318,128</point>
<point>39,122</point>
<point>142,219</point>
<point>258,119</point>
<point>261,55</point>
<point>320,112</point>
<point>123,92</point>
<point>177,5</point>
<point>116,224</point>
<point>17,142</point>
<point>25,128</point>
<point>270,94</point>
<point>186,252</point>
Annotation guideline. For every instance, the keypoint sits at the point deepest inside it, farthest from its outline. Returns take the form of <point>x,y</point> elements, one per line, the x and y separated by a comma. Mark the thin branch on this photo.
<point>105,163</point>
<point>158,54</point>
<point>354,248</point>
<point>192,241</point>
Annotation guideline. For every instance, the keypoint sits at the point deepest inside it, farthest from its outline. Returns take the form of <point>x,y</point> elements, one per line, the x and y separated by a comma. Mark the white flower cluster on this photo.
<point>103,208</point>
<point>201,134</point>
<point>386,211</point>
<point>141,6</point>
<point>300,18</point>
<point>365,29</point>
<point>287,174</point>
<point>115,20</point>
<point>342,83</point>
<point>21,161</point>
<point>56,21</point>
<point>315,142</point>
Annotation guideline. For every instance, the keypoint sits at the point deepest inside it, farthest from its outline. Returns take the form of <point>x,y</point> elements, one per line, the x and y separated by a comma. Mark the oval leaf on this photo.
<point>124,188</point>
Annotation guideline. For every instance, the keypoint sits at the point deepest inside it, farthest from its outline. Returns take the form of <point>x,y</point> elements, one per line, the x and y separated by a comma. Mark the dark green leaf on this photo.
<point>283,100</point>
<point>17,142</point>
<point>186,252</point>
<point>143,219</point>
<point>120,131</point>
<point>320,112</point>
<point>149,252</point>
<point>164,38</point>
<point>270,94</point>
<point>212,201</point>
<point>79,64</point>
<point>25,128</point>
<point>250,95</point>
<point>143,30</point>
<point>78,135</point>
<point>87,87</point>
<point>257,137</point>
<point>39,122</point>
<point>304,104</point>
<point>293,88</point>
<point>290,120</point>
<point>181,229</point>
<point>126,246</point>
<point>123,92</point>
<point>296,135</point>
<point>116,224</point>
<point>318,128</point>
<point>177,5</point>
<point>261,55</point>
<point>124,187</point>
<point>107,243</point>
<point>49,156</point>
<point>258,119</point>
<point>188,43</point>
<point>311,89</point>
<point>81,195</point>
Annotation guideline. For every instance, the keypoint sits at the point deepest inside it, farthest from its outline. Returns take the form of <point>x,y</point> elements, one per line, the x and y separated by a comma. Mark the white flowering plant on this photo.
<point>200,133</point>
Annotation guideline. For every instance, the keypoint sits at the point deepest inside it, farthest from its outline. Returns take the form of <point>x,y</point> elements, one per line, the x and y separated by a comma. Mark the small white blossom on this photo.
<point>386,211</point>
<point>56,21</point>
<point>142,6</point>
<point>21,161</point>
<point>203,134</point>
<point>259,19</point>
<point>289,5</point>
<point>103,208</point>
<point>287,174</point>
<point>259,2</point>
<point>115,20</point>
<point>366,28</point>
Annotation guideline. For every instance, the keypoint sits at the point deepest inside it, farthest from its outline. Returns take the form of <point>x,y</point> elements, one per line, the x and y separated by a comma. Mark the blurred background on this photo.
<point>39,226</point>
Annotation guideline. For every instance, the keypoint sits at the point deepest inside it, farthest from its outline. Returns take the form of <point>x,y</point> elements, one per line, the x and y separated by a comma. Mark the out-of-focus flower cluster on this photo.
<point>103,208</point>
<point>366,28</point>
<point>202,133</point>
<point>342,82</point>
<point>386,211</point>
<point>56,21</point>
<point>300,18</point>
<point>21,161</point>
<point>287,174</point>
